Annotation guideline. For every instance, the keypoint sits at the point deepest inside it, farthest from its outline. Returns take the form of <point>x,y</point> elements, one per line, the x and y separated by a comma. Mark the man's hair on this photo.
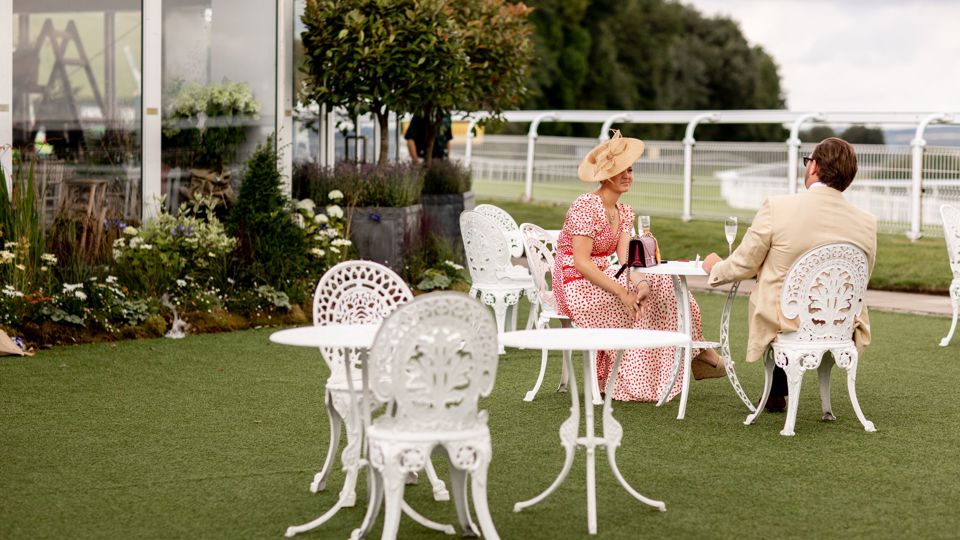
<point>836,162</point>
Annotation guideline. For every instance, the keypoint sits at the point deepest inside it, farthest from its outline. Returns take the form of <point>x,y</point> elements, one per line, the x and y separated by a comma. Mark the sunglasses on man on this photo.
<point>807,160</point>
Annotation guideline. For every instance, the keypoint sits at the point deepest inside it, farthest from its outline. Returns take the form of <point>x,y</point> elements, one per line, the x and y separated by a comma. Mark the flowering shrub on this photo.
<point>326,231</point>
<point>170,248</point>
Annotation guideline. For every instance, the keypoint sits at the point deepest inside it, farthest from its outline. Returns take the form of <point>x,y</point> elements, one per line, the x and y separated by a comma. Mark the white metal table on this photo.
<point>678,271</point>
<point>587,340</point>
<point>348,336</point>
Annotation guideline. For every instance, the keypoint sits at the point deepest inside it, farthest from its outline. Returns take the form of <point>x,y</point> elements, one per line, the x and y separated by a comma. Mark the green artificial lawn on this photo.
<point>902,265</point>
<point>218,436</point>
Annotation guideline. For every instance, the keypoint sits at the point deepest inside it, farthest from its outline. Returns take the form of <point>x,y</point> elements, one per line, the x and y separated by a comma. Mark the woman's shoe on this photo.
<point>702,369</point>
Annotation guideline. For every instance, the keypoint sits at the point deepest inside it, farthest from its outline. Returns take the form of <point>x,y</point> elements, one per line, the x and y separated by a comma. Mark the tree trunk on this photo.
<point>433,125</point>
<point>383,119</point>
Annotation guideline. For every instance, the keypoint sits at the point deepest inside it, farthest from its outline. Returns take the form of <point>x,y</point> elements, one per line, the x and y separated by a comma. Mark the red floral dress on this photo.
<point>644,373</point>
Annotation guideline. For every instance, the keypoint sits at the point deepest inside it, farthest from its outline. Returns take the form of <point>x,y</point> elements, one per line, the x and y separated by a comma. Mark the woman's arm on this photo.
<point>582,247</point>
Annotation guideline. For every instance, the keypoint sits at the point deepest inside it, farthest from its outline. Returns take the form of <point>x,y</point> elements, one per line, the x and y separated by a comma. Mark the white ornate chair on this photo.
<point>951,234</point>
<point>825,289</point>
<point>506,223</point>
<point>494,280</point>
<point>431,361</point>
<point>539,247</point>
<point>354,292</point>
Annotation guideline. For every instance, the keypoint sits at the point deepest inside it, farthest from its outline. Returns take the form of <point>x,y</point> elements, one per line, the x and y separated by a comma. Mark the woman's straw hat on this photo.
<point>610,158</point>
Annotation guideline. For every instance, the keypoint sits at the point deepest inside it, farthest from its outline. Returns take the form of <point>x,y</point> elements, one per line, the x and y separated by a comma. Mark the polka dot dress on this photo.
<point>644,373</point>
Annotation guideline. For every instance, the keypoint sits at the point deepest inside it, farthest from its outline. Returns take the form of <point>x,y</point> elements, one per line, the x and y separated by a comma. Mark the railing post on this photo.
<point>151,101</point>
<point>6,92</point>
<point>531,146</point>
<point>916,166</point>
<point>793,149</point>
<point>468,149</point>
<point>688,142</point>
<point>605,128</point>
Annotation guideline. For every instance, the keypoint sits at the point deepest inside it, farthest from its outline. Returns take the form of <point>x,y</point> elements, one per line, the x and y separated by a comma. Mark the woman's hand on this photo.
<point>643,292</point>
<point>631,303</point>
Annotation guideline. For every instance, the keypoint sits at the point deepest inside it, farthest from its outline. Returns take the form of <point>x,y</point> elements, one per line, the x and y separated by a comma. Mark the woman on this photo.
<point>587,290</point>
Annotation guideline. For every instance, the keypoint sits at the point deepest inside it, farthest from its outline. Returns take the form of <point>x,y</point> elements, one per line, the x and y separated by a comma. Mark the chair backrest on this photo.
<point>356,292</point>
<point>484,245</point>
<point>433,358</point>
<point>540,249</point>
<point>825,289</point>
<point>951,233</point>
<point>506,223</point>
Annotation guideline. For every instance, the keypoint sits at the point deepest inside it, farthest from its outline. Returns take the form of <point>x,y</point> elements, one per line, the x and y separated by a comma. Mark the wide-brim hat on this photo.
<point>610,158</point>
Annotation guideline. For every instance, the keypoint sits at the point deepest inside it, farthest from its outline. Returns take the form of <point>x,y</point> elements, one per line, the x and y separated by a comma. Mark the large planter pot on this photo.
<point>383,234</point>
<point>442,214</point>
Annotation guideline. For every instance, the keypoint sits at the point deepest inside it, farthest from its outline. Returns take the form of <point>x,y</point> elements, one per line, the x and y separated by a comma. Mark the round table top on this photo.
<point>331,335</point>
<point>675,268</point>
<point>590,339</point>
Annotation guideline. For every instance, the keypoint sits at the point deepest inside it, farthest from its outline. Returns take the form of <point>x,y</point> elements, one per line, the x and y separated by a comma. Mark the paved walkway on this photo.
<point>922,304</point>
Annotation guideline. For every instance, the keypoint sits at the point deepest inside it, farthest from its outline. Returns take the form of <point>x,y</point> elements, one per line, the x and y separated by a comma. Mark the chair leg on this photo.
<point>955,301</point>
<point>543,369</point>
<point>595,379</point>
<point>320,479</point>
<point>478,483</point>
<point>375,485</point>
<point>564,372</point>
<point>393,501</point>
<point>794,371</point>
<point>852,389</point>
<point>823,375</point>
<point>500,313</point>
<point>458,480</point>
<point>768,366</point>
<point>351,461</point>
<point>440,492</point>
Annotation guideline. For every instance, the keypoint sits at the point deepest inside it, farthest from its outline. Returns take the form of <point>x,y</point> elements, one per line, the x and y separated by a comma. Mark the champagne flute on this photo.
<point>644,225</point>
<point>730,229</point>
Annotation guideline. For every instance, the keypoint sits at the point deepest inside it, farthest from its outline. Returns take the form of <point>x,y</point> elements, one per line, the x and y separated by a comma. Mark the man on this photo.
<point>784,229</point>
<point>416,136</point>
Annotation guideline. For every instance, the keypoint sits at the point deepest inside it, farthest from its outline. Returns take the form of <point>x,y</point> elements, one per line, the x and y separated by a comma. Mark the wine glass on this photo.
<point>644,223</point>
<point>730,229</point>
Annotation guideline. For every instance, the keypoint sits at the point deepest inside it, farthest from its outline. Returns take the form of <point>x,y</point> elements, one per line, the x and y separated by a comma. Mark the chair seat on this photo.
<point>388,432</point>
<point>505,285</point>
<point>791,340</point>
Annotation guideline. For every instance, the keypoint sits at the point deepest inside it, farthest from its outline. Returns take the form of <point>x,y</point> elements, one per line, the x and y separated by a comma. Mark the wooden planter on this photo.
<point>442,214</point>
<point>383,234</point>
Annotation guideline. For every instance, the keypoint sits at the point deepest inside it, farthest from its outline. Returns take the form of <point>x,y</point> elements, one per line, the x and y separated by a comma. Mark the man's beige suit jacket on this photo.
<point>784,229</point>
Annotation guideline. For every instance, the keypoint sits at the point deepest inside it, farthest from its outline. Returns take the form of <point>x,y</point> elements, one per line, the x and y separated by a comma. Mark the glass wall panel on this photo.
<point>219,85</point>
<point>76,106</point>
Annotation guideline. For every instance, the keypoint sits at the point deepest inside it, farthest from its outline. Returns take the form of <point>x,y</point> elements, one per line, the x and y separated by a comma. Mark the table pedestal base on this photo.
<point>570,439</point>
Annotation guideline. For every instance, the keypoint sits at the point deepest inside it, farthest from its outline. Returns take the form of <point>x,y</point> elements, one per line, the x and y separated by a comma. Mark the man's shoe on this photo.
<point>776,404</point>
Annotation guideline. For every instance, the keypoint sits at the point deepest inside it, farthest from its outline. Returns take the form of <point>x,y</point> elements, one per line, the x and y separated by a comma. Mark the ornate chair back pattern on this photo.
<point>434,358</point>
<point>951,233</point>
<point>356,292</point>
<point>825,289</point>
<point>485,246</point>
<point>506,223</point>
<point>538,245</point>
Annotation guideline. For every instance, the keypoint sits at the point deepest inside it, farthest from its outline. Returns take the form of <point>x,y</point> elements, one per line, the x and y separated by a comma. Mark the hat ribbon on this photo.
<point>606,159</point>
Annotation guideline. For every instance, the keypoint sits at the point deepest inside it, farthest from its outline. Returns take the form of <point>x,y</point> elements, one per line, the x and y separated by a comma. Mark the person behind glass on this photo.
<point>416,136</point>
<point>784,229</point>
<point>589,291</point>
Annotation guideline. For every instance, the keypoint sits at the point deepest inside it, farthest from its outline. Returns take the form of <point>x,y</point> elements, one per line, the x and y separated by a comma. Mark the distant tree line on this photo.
<point>648,55</point>
<point>856,134</point>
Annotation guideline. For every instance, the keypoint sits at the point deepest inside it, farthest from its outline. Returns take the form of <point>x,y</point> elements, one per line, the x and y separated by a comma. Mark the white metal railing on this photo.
<point>726,178</point>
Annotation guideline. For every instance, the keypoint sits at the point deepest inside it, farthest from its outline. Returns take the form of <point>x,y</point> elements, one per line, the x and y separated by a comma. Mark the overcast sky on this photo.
<point>856,55</point>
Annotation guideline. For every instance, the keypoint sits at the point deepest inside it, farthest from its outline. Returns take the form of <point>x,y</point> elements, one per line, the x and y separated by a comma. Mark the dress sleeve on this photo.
<point>582,217</point>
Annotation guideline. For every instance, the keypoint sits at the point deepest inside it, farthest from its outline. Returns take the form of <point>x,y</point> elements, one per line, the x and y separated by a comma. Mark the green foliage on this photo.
<point>648,55</point>
<point>860,134</point>
<point>433,264</point>
<point>170,249</point>
<point>209,122</point>
<point>817,133</point>
<point>394,185</point>
<point>22,265</point>
<point>326,231</point>
<point>272,249</point>
<point>444,177</point>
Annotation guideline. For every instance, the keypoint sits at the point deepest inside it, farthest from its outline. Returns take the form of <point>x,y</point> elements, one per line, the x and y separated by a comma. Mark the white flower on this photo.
<point>44,268</point>
<point>335,250</point>
<point>21,267</point>
<point>298,219</point>
<point>135,241</point>
<point>211,254</point>
<point>332,233</point>
<point>111,279</point>
<point>306,204</point>
<point>453,265</point>
<point>335,195</point>
<point>70,287</point>
<point>130,230</point>
<point>10,245</point>
<point>6,257</point>
<point>334,211</point>
<point>80,295</point>
<point>341,242</point>
<point>119,243</point>
<point>230,281</point>
<point>317,252</point>
<point>181,283</point>
<point>49,258</point>
<point>146,246</point>
<point>321,218</point>
<point>117,254</point>
<point>8,290</point>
